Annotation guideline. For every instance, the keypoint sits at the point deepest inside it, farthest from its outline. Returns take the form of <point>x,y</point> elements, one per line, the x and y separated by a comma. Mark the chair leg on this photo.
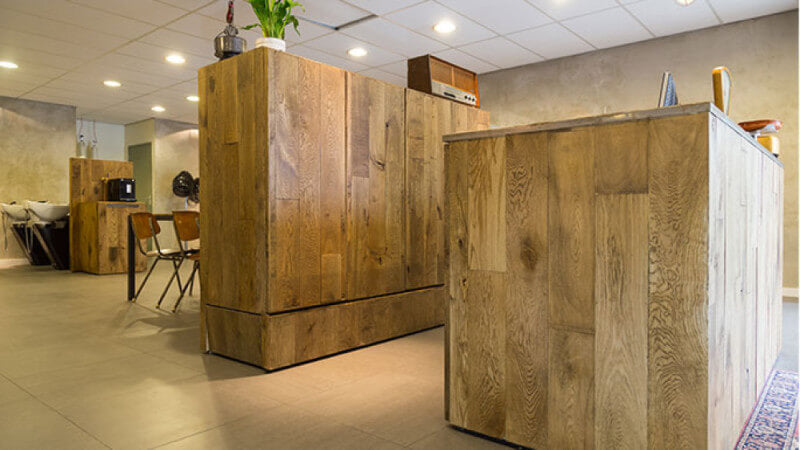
<point>194,270</point>
<point>136,296</point>
<point>176,267</point>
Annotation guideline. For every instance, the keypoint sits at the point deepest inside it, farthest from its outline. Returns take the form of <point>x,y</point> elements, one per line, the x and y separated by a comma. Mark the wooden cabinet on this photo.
<point>103,237</point>
<point>615,280</point>
<point>98,229</point>
<point>304,223</point>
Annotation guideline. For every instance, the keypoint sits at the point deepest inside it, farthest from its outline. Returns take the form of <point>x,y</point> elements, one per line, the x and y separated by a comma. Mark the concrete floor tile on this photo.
<point>29,424</point>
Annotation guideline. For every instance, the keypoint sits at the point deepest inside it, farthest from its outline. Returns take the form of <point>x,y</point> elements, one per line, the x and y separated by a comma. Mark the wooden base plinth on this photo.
<point>275,341</point>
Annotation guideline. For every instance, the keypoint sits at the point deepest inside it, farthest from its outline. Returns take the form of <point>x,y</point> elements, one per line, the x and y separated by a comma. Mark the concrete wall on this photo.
<point>36,141</point>
<point>761,54</point>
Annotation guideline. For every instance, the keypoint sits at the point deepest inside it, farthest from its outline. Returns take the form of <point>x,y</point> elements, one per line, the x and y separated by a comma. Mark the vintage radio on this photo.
<point>435,76</point>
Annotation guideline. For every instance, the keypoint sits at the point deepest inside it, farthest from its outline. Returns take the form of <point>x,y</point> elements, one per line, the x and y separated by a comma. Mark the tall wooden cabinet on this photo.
<point>307,221</point>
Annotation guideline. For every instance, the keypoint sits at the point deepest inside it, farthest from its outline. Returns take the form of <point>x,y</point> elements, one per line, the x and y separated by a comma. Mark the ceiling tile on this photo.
<point>93,85</point>
<point>561,9</point>
<point>501,52</point>
<point>154,53</point>
<point>80,15</point>
<point>11,91</point>
<point>190,5</point>
<point>385,76</point>
<point>423,17</point>
<point>326,58</point>
<point>665,18</point>
<point>180,42</point>
<point>44,50</point>
<point>393,37</point>
<point>242,12</point>
<point>76,35</point>
<point>198,25</point>
<point>101,72</point>
<point>551,41</point>
<point>149,11</point>
<point>466,61</point>
<point>337,44</point>
<point>329,12</point>
<point>608,28</point>
<point>383,6</point>
<point>109,116</point>
<point>163,69</point>
<point>399,68</point>
<point>734,10</point>
<point>503,16</point>
<point>23,75</point>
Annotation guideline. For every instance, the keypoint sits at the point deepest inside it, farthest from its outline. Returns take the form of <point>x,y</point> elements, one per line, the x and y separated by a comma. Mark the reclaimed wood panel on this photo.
<point>457,251</point>
<point>86,185</point>
<point>375,184</point>
<point>570,399</point>
<point>307,166</point>
<point>526,307</point>
<point>103,237</point>
<point>570,214</point>
<point>685,283</point>
<point>305,208</point>
<point>487,200</point>
<point>427,119</point>
<point>298,336</point>
<point>677,329</point>
<point>620,159</point>
<point>621,321</point>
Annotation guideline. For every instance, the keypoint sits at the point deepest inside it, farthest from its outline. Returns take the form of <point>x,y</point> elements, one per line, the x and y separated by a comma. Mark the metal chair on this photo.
<point>187,229</point>
<point>145,226</point>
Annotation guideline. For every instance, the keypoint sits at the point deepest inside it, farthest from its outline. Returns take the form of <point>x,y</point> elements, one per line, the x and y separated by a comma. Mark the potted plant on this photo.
<point>273,17</point>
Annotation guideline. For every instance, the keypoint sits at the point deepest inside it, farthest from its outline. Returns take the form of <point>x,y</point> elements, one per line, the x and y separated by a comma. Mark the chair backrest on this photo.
<point>186,225</point>
<point>144,225</point>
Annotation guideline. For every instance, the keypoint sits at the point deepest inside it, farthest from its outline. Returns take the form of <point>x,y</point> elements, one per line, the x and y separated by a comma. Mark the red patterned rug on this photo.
<point>773,423</point>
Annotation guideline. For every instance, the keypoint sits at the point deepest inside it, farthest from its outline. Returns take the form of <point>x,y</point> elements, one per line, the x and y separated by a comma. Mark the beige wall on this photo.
<point>36,142</point>
<point>761,54</point>
<point>175,148</point>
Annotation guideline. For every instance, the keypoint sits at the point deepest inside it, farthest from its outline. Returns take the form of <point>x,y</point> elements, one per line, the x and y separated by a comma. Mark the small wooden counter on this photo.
<point>614,282</point>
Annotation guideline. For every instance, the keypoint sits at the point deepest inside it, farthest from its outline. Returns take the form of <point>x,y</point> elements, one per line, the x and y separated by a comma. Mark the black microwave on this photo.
<point>121,190</point>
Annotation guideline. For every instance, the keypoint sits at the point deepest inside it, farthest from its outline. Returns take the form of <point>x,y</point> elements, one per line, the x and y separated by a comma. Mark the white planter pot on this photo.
<point>273,43</point>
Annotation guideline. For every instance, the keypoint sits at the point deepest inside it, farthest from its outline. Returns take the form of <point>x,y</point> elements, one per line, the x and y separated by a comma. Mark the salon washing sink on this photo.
<point>15,212</point>
<point>48,212</point>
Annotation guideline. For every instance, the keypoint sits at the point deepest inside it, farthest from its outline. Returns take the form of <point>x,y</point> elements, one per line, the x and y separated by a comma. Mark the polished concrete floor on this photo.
<point>82,368</point>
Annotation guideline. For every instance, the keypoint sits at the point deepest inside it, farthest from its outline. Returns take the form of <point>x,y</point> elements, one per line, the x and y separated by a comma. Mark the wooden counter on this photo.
<point>98,229</point>
<point>614,282</point>
<point>323,192</point>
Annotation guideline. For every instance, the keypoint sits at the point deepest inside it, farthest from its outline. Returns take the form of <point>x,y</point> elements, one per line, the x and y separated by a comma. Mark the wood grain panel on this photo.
<point>570,401</point>
<point>621,322</point>
<point>298,336</point>
<point>571,225</point>
<point>487,203</point>
<point>526,308</point>
<point>677,340</point>
<point>484,377</point>
<point>375,182</point>
<point>457,250</point>
<point>428,119</point>
<point>620,158</point>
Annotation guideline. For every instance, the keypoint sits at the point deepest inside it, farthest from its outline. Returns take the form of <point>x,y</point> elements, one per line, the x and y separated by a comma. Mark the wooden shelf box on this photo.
<point>616,280</point>
<point>322,224</point>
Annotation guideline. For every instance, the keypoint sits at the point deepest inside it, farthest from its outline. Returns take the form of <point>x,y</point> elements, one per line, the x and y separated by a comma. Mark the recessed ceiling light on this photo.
<point>684,2</point>
<point>112,83</point>
<point>175,58</point>
<point>445,27</point>
<point>357,52</point>
<point>193,98</point>
<point>158,108</point>
<point>8,65</point>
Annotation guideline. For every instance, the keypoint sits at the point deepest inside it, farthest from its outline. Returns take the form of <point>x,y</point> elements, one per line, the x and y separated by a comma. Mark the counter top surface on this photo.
<point>606,119</point>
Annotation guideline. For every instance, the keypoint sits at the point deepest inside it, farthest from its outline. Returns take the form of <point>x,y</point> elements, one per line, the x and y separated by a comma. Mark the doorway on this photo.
<point>142,158</point>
